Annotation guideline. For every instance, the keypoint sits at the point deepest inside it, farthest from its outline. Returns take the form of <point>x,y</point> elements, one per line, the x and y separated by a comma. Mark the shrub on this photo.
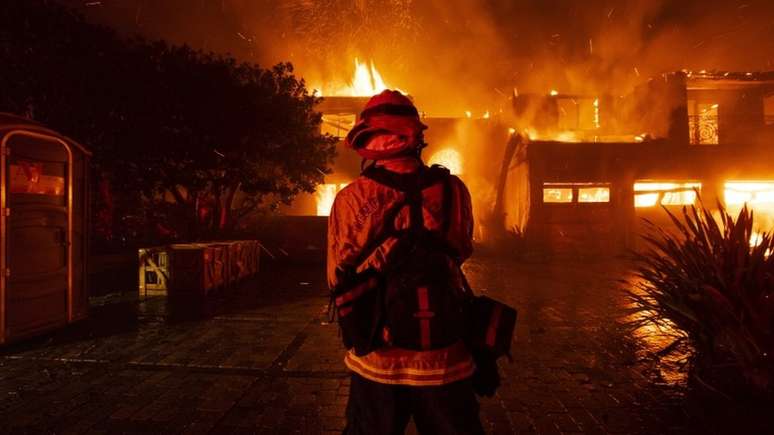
<point>708,279</point>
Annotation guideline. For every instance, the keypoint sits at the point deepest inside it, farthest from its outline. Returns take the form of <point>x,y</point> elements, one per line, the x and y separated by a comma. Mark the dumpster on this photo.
<point>44,229</point>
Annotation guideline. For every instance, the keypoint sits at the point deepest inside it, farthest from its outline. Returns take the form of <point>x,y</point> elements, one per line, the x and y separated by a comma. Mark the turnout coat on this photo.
<point>357,218</point>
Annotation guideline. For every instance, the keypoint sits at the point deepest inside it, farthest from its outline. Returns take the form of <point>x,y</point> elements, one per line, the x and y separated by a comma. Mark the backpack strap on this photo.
<point>411,184</point>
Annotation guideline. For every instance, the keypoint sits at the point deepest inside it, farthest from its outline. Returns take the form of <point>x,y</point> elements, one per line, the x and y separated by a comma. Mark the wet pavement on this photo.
<point>264,361</point>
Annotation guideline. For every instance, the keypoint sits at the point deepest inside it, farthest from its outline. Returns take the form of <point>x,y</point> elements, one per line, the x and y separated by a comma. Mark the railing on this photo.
<point>703,129</point>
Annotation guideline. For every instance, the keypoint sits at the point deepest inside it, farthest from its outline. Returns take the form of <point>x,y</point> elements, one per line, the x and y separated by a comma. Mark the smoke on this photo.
<point>456,55</point>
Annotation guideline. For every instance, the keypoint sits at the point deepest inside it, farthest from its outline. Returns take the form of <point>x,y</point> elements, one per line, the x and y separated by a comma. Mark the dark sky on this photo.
<point>466,51</point>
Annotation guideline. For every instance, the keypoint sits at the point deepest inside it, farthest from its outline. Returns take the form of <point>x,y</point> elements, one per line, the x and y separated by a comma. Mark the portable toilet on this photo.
<point>43,229</point>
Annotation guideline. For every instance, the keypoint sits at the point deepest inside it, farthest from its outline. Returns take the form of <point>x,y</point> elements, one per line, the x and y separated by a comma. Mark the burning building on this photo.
<point>579,172</point>
<point>586,188</point>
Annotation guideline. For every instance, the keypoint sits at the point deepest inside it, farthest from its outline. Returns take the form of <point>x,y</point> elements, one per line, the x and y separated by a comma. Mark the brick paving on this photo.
<point>265,361</point>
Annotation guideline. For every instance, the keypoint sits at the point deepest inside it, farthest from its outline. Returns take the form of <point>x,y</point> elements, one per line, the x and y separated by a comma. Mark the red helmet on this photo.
<point>389,114</point>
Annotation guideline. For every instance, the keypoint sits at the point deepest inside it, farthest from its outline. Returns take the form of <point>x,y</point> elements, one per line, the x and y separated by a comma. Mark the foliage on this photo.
<point>192,141</point>
<point>707,279</point>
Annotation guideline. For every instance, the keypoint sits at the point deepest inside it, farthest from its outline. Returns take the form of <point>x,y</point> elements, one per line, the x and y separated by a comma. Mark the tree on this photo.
<point>202,139</point>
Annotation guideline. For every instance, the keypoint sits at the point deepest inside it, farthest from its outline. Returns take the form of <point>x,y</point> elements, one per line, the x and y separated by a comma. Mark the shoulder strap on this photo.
<point>412,185</point>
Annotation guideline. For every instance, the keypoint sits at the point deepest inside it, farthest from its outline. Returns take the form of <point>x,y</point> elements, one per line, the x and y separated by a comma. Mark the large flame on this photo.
<point>365,82</point>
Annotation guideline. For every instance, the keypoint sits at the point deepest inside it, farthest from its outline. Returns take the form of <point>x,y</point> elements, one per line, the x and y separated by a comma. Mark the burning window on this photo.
<point>759,197</point>
<point>703,123</point>
<point>569,192</point>
<point>752,193</point>
<point>594,194</point>
<point>652,193</point>
<point>325,195</point>
<point>557,195</point>
<point>337,125</point>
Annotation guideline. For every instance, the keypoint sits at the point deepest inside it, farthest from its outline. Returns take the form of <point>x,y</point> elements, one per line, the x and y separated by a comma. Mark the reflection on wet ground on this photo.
<point>263,360</point>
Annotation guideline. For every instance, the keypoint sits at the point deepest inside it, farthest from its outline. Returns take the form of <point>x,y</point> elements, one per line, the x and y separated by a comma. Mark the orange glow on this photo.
<point>553,93</point>
<point>448,158</point>
<point>647,194</point>
<point>325,195</point>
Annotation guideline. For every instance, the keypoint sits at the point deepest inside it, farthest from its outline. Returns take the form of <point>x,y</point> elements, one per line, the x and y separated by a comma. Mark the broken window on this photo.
<point>652,193</point>
<point>703,123</point>
<point>576,192</point>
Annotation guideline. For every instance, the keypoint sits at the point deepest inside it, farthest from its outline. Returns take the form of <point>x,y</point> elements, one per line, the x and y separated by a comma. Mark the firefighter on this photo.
<point>429,381</point>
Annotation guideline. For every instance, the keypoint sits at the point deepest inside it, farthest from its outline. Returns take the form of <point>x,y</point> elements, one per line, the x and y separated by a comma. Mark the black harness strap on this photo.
<point>412,185</point>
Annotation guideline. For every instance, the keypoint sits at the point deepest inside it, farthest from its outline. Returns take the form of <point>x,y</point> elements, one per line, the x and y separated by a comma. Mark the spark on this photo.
<point>591,46</point>
<point>636,71</point>
<point>610,14</point>
<point>93,4</point>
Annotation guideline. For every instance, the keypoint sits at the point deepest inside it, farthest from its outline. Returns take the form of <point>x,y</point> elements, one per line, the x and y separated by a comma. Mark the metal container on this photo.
<point>43,227</point>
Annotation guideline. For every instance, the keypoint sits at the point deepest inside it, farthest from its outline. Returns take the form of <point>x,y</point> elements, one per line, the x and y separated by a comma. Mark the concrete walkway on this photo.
<point>265,361</point>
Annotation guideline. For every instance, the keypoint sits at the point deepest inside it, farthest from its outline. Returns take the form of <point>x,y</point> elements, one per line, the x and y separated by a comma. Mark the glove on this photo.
<point>486,378</point>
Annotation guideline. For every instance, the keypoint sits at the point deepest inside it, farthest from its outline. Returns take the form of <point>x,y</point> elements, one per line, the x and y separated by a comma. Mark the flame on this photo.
<point>365,82</point>
<point>468,114</point>
<point>486,115</point>
<point>449,158</point>
<point>325,195</point>
<point>553,93</point>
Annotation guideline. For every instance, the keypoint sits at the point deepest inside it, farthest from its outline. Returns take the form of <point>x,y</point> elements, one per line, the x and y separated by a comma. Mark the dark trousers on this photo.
<point>376,409</point>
